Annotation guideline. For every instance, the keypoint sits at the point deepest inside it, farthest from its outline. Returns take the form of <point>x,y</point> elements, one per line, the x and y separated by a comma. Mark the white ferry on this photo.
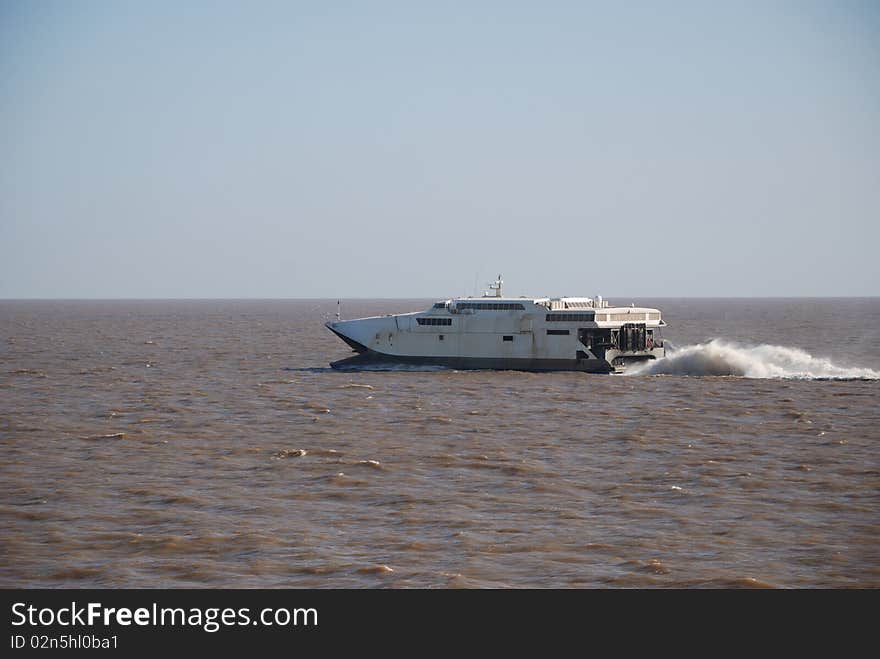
<point>496,332</point>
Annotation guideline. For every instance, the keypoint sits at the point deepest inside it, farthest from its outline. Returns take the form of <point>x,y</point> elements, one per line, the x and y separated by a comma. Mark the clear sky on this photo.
<point>393,149</point>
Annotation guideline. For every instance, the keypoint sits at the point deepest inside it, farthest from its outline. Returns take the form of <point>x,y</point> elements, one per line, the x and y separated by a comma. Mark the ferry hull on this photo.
<point>372,358</point>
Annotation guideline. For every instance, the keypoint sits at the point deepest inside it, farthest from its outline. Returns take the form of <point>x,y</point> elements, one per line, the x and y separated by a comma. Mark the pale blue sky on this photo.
<point>385,149</point>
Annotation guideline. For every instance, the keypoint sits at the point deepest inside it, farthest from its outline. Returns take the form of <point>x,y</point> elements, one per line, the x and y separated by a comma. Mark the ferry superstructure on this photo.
<point>497,332</point>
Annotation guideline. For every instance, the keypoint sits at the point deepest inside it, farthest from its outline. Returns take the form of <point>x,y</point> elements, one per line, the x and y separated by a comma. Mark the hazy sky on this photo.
<point>384,149</point>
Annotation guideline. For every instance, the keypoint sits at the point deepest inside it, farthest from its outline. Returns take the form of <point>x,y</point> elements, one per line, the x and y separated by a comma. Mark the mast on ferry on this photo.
<point>495,289</point>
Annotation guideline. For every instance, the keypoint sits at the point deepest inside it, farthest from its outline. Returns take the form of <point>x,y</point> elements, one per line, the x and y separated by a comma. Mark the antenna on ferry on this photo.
<point>496,287</point>
<point>338,308</point>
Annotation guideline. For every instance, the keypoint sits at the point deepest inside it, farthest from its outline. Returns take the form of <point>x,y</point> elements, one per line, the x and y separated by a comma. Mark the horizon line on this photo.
<point>407,297</point>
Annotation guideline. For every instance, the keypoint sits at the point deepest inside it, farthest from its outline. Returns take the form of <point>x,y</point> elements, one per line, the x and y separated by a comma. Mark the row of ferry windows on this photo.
<point>569,316</point>
<point>491,306</point>
<point>434,321</point>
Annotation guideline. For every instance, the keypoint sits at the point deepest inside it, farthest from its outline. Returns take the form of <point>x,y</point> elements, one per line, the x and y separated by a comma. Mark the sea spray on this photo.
<point>719,357</point>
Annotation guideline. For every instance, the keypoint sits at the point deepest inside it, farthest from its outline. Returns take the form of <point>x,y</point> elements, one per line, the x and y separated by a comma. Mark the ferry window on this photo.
<point>570,317</point>
<point>434,321</point>
<point>440,336</point>
<point>557,332</point>
<point>492,306</point>
<point>507,338</point>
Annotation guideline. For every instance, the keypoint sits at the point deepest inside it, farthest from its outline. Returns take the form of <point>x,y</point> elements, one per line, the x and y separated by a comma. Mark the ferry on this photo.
<point>506,333</point>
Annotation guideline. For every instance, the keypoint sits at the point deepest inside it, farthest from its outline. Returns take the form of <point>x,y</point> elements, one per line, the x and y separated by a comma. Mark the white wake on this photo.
<point>719,357</point>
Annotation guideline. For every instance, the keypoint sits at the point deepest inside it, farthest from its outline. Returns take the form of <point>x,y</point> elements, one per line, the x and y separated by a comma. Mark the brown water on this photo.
<point>163,444</point>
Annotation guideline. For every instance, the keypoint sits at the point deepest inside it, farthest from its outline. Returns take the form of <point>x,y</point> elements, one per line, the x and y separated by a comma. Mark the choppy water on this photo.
<point>207,443</point>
